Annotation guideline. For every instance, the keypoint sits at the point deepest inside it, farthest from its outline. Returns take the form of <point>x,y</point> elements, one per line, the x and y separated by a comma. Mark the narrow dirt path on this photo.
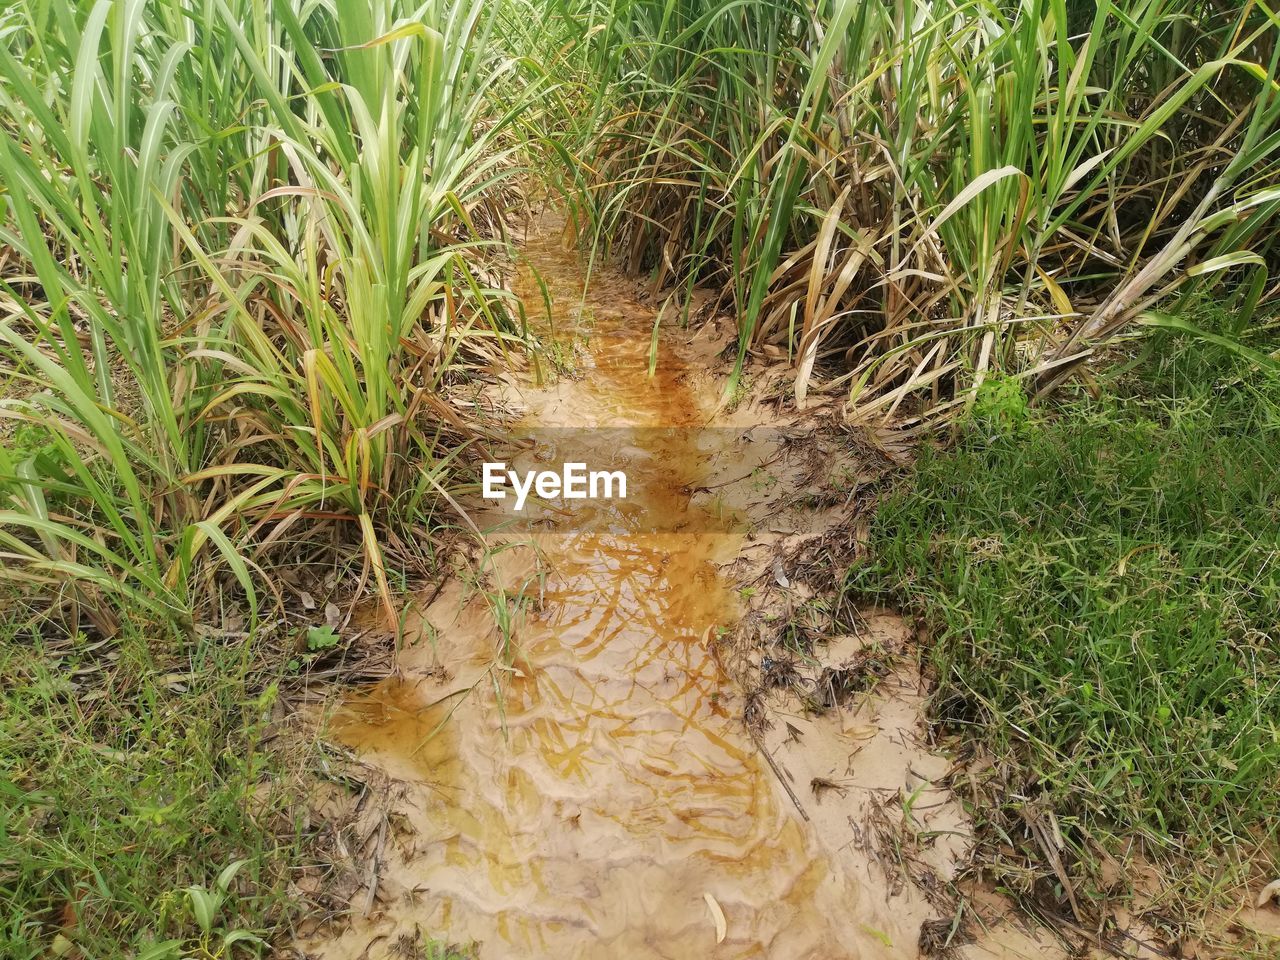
<point>600,797</point>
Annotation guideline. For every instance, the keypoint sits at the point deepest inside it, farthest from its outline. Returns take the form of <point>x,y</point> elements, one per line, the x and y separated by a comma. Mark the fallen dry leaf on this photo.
<point>1268,893</point>
<point>718,916</point>
<point>779,575</point>
<point>864,731</point>
<point>332,615</point>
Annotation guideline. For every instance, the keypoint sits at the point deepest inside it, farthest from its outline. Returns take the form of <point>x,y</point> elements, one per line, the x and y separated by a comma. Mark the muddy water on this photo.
<point>584,801</point>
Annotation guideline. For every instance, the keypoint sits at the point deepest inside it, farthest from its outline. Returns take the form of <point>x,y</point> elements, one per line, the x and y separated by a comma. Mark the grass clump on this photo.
<point>129,783</point>
<point>1101,585</point>
<point>247,253</point>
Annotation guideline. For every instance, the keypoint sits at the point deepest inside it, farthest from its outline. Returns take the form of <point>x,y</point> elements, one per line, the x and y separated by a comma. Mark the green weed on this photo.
<point>131,779</point>
<point>1100,590</point>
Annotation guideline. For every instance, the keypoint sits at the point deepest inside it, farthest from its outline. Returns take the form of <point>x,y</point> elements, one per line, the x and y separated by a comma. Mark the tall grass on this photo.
<point>907,196</point>
<point>247,249</point>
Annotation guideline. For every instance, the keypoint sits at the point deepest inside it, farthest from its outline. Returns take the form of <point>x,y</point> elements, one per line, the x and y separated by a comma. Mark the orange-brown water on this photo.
<point>584,801</point>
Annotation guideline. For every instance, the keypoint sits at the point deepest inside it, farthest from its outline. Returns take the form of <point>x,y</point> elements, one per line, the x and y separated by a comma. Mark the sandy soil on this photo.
<point>636,729</point>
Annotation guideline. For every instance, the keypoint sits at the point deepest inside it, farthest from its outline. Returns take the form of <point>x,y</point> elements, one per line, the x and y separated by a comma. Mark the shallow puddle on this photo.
<point>586,802</point>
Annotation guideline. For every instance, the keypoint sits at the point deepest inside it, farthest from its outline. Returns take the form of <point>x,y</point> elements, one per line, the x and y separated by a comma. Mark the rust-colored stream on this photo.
<point>585,804</point>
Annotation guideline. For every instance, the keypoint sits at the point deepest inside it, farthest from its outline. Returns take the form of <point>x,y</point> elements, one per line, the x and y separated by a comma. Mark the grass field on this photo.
<point>128,776</point>
<point>255,264</point>
<point>1099,582</point>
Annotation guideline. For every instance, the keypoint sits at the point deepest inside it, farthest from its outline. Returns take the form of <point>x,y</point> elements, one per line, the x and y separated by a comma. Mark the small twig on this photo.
<point>1046,836</point>
<point>375,867</point>
<point>777,772</point>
